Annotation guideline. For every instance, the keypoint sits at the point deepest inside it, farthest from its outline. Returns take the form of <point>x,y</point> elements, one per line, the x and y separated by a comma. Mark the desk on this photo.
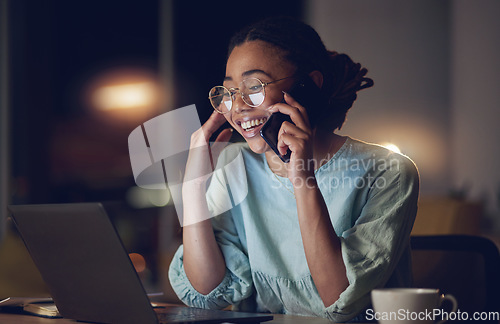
<point>28,319</point>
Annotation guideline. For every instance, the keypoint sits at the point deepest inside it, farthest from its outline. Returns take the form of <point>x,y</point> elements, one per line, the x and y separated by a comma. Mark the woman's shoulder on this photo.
<point>380,156</point>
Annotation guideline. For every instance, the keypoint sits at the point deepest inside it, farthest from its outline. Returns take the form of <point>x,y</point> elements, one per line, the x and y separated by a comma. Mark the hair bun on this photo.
<point>346,78</point>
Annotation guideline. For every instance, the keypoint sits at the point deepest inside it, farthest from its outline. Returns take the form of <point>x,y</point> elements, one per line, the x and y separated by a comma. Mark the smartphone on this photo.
<point>305,92</point>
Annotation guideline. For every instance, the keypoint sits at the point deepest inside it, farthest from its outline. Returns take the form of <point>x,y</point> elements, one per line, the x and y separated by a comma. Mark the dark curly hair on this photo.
<point>302,46</point>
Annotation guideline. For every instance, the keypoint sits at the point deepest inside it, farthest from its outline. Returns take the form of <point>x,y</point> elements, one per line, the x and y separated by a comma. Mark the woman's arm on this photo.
<point>203,261</point>
<point>321,244</point>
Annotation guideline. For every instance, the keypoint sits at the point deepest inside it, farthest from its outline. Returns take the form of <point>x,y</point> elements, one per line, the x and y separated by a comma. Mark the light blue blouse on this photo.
<point>371,194</point>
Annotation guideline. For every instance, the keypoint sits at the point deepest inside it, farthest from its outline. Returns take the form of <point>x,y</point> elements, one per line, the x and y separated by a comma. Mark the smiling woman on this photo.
<point>312,236</point>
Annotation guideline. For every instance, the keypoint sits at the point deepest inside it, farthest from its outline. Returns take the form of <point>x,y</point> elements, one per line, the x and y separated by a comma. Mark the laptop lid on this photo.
<point>83,262</point>
<point>88,272</point>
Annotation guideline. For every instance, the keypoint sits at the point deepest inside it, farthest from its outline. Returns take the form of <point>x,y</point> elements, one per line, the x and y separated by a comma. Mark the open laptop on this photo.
<point>89,274</point>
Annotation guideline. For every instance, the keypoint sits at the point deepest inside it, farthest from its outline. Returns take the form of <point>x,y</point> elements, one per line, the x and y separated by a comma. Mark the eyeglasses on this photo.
<point>252,91</point>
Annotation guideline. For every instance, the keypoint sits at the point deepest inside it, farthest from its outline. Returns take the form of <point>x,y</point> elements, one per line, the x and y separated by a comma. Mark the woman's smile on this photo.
<point>250,127</point>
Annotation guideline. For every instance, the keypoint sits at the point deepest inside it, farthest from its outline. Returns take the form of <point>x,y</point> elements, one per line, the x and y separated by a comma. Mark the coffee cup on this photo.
<point>409,305</point>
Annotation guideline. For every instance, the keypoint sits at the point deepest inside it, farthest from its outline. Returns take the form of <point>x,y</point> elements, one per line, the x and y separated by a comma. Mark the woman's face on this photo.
<point>256,59</point>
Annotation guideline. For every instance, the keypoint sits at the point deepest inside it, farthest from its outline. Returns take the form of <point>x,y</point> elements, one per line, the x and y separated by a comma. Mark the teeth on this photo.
<point>251,123</point>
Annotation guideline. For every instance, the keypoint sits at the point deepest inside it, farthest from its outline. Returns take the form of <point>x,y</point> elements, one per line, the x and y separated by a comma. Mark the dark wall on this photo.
<point>54,47</point>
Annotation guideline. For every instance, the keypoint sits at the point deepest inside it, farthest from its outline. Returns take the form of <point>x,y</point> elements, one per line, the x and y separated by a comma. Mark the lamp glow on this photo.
<point>392,147</point>
<point>125,96</point>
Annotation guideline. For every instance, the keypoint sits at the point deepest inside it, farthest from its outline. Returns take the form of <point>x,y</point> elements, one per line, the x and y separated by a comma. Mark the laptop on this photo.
<point>89,274</point>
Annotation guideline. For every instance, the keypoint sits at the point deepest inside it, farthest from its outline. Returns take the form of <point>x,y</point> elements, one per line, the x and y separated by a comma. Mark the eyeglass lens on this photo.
<point>251,90</point>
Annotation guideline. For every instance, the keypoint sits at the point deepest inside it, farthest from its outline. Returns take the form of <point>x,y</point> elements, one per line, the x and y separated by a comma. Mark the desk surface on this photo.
<point>27,319</point>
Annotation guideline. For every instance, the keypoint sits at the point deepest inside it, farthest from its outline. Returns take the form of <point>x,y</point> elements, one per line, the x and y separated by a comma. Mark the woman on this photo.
<point>313,236</point>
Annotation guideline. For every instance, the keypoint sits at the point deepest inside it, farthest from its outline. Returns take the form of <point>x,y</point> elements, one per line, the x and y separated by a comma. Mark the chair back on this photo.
<point>465,266</point>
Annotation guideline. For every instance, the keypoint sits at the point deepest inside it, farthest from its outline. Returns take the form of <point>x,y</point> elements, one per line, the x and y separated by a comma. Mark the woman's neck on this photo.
<point>326,144</point>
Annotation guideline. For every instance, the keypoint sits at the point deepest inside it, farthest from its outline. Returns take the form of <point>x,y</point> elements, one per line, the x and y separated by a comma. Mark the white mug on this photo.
<point>408,305</point>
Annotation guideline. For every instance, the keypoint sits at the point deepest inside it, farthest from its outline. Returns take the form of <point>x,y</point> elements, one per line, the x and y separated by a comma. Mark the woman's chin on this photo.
<point>258,146</point>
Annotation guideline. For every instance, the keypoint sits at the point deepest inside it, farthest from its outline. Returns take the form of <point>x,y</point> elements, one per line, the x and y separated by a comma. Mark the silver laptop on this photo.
<point>89,274</point>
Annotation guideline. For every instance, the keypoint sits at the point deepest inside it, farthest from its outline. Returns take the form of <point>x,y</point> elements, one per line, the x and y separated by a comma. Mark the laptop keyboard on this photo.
<point>198,315</point>
<point>184,314</point>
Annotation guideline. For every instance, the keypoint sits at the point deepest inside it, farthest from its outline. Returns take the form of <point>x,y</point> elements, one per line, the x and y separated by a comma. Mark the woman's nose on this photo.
<point>238,103</point>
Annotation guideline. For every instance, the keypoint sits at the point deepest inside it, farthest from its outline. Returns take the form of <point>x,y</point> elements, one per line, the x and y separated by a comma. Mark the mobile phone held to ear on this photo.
<point>269,133</point>
<point>306,93</point>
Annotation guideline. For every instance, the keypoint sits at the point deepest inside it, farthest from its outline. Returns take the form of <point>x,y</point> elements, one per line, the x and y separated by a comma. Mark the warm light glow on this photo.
<point>138,261</point>
<point>125,96</point>
<point>147,198</point>
<point>391,147</point>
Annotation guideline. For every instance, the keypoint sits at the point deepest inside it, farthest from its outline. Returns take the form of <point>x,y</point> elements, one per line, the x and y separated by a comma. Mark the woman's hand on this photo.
<point>298,138</point>
<point>203,157</point>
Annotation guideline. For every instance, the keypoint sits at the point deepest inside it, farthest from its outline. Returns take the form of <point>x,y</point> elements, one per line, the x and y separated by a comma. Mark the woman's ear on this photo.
<point>317,77</point>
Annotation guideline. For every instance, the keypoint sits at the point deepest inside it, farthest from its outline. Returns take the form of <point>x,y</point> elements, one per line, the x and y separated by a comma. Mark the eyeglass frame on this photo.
<point>233,91</point>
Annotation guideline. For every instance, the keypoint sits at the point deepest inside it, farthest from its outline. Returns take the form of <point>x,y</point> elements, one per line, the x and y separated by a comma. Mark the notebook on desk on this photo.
<point>88,272</point>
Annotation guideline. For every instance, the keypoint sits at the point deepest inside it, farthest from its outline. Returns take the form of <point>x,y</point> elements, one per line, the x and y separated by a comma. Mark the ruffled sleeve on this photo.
<point>235,286</point>
<point>373,247</point>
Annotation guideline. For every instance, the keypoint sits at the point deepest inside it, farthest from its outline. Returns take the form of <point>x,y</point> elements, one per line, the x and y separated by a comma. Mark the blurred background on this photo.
<point>78,76</point>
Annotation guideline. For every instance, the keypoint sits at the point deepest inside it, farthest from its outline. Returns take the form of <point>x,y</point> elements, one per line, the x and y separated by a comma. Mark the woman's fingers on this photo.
<point>201,158</point>
<point>295,144</point>
<point>294,109</point>
<point>294,103</point>
<point>296,135</point>
<point>213,123</point>
<point>203,134</point>
<point>291,129</point>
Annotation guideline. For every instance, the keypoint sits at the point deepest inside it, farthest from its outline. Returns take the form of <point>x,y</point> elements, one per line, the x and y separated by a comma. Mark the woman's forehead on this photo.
<point>256,57</point>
